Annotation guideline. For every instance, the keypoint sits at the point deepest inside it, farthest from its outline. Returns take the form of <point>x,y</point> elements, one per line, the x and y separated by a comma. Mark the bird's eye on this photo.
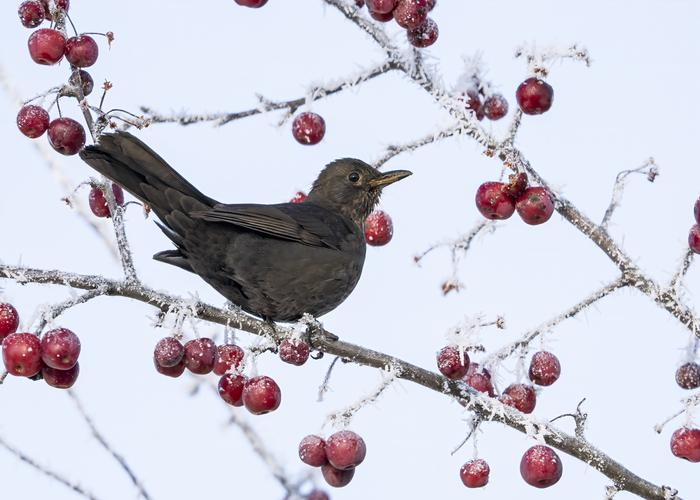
<point>354,177</point>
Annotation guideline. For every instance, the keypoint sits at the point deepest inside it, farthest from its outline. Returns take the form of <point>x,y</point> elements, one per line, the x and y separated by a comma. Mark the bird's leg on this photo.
<point>316,333</point>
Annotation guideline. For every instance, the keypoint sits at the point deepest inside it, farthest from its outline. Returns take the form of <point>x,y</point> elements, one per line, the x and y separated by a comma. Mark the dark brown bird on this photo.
<point>274,261</point>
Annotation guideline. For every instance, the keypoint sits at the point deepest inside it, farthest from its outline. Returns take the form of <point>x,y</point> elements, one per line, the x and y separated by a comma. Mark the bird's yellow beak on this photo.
<point>389,178</point>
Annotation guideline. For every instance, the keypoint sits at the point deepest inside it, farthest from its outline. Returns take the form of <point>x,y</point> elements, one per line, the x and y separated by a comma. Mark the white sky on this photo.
<point>637,100</point>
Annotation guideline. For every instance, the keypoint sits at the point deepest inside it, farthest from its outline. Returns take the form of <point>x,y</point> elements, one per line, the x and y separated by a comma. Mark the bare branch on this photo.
<point>677,279</point>
<point>323,388</point>
<point>649,169</point>
<point>396,150</point>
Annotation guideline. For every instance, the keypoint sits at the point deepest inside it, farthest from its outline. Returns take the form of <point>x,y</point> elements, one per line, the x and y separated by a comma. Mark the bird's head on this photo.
<point>352,187</point>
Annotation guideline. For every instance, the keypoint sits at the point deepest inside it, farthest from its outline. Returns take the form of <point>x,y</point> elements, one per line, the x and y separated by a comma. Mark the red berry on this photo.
<point>475,473</point>
<point>21,353</point>
<point>535,206</point>
<point>254,4</point>
<point>379,229</point>
<point>46,46</point>
<point>694,238</point>
<point>66,136</point>
<point>308,128</point>
<point>31,14</point>
<point>200,355</point>
<point>685,443</point>
<point>383,18</point>
<point>86,81</point>
<point>493,201</point>
<point>424,35</point>
<point>336,477</point>
<point>168,352</point>
<point>228,356</point>
<point>451,363</point>
<point>231,388</point>
<point>479,379</point>
<point>696,211</point>
<point>312,451</point>
<point>9,320</point>
<point>81,51</point>
<point>540,466</point>
<point>473,103</point>
<point>345,450</point>
<point>60,348</point>
<point>299,197</point>
<point>98,202</point>
<point>32,121</point>
<point>410,14</point>
<point>523,395</point>
<point>534,96</point>
<point>61,379</point>
<point>261,395</point>
<point>688,376</point>
<point>170,371</point>
<point>317,495</point>
<point>495,107</point>
<point>544,368</point>
<point>381,6</point>
<point>294,351</point>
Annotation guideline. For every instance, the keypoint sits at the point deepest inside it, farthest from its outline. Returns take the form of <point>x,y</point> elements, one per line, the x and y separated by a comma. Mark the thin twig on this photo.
<point>649,169</point>
<point>323,388</point>
<point>343,417</point>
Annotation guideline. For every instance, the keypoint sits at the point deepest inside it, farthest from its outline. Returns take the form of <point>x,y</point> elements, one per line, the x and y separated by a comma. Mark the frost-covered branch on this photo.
<point>343,417</point>
<point>395,150</point>
<point>649,169</point>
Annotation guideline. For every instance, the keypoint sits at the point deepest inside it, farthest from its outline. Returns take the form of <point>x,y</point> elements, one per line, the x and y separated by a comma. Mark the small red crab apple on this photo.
<point>171,371</point>
<point>200,355</point>
<point>168,352</point>
<point>231,388</point>
<point>381,6</point>
<point>86,81</point>
<point>688,376</point>
<point>694,238</point>
<point>46,46</point>
<point>382,18</point>
<point>534,96</point>
<point>60,379</point>
<point>9,320</point>
<point>475,473</point>
<point>337,477</point>
<point>21,354</point>
<point>294,351</point>
<point>410,14</point>
<point>254,4</point>
<point>540,466</point>
<point>473,103</point>
<point>522,396</point>
<point>544,368</point>
<point>299,197</point>
<point>345,450</point>
<point>685,443</point>
<point>535,206</point>
<point>451,363</point>
<point>308,128</point>
<point>495,107</point>
<point>479,379</point>
<point>82,51</point>
<point>98,202</point>
<point>31,13</point>
<point>312,451</point>
<point>493,201</point>
<point>60,348</point>
<point>228,357</point>
<point>379,229</point>
<point>424,35</point>
<point>317,495</point>
<point>66,136</point>
<point>696,210</point>
<point>261,395</point>
<point>32,121</point>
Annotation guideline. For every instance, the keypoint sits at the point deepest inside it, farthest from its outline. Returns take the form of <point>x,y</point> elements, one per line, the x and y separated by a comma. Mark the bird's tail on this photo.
<point>130,163</point>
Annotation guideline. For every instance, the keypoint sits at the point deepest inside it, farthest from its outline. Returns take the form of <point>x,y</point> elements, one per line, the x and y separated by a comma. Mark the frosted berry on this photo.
<point>534,96</point>
<point>31,13</point>
<point>479,379</point>
<point>308,128</point>
<point>475,473</point>
<point>200,355</point>
<point>495,107</point>
<point>688,376</point>
<point>523,397</point>
<point>336,477</point>
<point>86,81</point>
<point>379,229</point>
<point>9,320</point>
<point>171,371</point>
<point>312,451</point>
<point>46,46</point>
<point>60,348</point>
<point>473,103</point>
<point>228,357</point>
<point>382,18</point>
<point>696,210</point>
<point>535,206</point>
<point>21,353</point>
<point>451,363</point>
<point>694,238</point>
<point>517,183</point>
<point>82,51</point>
<point>66,136</point>
<point>299,197</point>
<point>345,450</point>
<point>410,14</point>
<point>493,201</point>
<point>317,495</point>
<point>231,388</point>
<point>294,351</point>
<point>98,202</point>
<point>168,352</point>
<point>261,395</point>
<point>540,466</point>
<point>424,35</point>
<point>255,4</point>
<point>544,368</point>
<point>685,443</point>
<point>61,379</point>
<point>381,6</point>
<point>32,121</point>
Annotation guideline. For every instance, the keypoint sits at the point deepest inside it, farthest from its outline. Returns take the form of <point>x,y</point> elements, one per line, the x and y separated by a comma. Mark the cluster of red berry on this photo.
<point>48,46</point>
<point>685,442</point>
<point>412,15</point>
<point>540,465</point>
<point>98,202</point>
<point>498,200</point>
<point>53,357</point>
<point>337,456</point>
<point>492,106</point>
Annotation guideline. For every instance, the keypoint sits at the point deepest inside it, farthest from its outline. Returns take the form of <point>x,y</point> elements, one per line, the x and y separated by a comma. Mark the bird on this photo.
<point>277,262</point>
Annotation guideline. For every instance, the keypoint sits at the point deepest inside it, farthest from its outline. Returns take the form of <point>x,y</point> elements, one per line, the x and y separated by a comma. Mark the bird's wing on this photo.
<point>302,223</point>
